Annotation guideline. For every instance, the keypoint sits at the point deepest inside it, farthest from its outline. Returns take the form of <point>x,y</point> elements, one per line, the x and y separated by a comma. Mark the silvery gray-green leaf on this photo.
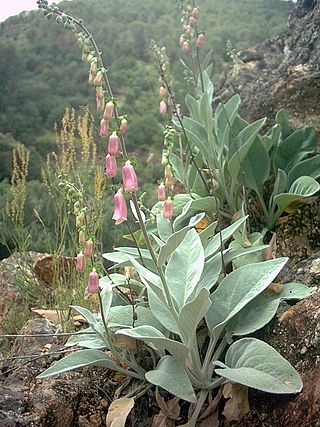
<point>122,317</point>
<point>160,310</point>
<point>256,364</point>
<point>296,291</point>
<point>171,376</point>
<point>172,243</point>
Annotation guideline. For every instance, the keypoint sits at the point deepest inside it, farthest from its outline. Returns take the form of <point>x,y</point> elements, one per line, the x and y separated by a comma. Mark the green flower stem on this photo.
<point>201,399</point>
<point>154,258</point>
<point>113,349</point>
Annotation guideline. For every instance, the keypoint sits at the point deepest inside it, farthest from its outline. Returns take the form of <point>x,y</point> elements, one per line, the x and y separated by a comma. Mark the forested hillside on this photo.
<point>41,70</point>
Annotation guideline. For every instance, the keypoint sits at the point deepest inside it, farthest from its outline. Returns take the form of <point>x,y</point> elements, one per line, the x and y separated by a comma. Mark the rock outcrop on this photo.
<point>281,72</point>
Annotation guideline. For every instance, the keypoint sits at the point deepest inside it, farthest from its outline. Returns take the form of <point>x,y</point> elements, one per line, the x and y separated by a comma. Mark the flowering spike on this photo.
<point>93,282</point>
<point>162,107</point>
<point>104,127</point>
<point>129,178</point>
<point>120,208</point>
<point>161,192</point>
<point>111,166</point>
<point>108,111</point>
<point>123,125</point>
<point>88,248</point>
<point>168,208</point>
<point>113,144</point>
<point>80,262</point>
<point>200,40</point>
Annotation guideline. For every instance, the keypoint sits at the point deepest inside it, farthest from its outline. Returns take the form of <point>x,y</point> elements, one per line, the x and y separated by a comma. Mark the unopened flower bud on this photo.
<point>129,272</point>
<point>182,39</point>
<point>111,166</point>
<point>162,107</point>
<point>80,219</point>
<point>168,171</point>
<point>123,125</point>
<point>195,12</point>
<point>98,78</point>
<point>93,67</point>
<point>99,92</point>
<point>91,79</point>
<point>100,104</point>
<point>129,178</point>
<point>192,20</point>
<point>185,46</point>
<point>168,208</point>
<point>164,160</point>
<point>88,248</point>
<point>104,128</point>
<point>93,282</point>
<point>84,57</point>
<point>108,111</point>
<point>187,30</point>
<point>80,262</point>
<point>162,91</point>
<point>161,192</point>
<point>120,208</point>
<point>113,144</point>
<point>189,8</point>
<point>82,237</point>
<point>200,40</point>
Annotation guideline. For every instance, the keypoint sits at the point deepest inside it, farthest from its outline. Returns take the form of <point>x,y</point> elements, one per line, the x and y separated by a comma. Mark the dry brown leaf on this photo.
<point>276,288</point>
<point>238,405</point>
<point>125,341</point>
<point>213,405</point>
<point>271,251</point>
<point>118,412</point>
<point>211,421</point>
<point>161,420</point>
<point>171,408</point>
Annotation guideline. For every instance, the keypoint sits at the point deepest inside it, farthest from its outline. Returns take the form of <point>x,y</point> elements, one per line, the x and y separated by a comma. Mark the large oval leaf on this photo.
<point>256,364</point>
<point>171,376</point>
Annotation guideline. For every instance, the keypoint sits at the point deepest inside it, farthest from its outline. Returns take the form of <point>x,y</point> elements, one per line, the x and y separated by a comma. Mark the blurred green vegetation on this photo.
<point>41,73</point>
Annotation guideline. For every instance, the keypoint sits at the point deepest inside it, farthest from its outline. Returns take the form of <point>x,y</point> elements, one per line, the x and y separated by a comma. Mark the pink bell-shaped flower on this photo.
<point>168,208</point>
<point>80,262</point>
<point>129,178</point>
<point>88,248</point>
<point>185,46</point>
<point>108,111</point>
<point>162,91</point>
<point>161,192</point>
<point>98,78</point>
<point>187,30</point>
<point>99,92</point>
<point>113,144</point>
<point>200,40</point>
<point>111,166</point>
<point>120,208</point>
<point>93,282</point>
<point>162,107</point>
<point>104,127</point>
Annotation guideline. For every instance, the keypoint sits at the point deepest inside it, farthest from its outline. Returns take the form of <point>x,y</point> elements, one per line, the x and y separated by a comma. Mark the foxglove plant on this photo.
<point>182,282</point>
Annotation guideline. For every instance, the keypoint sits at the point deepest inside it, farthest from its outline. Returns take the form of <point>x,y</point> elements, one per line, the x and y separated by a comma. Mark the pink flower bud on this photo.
<point>182,39</point>
<point>104,127</point>
<point>98,78</point>
<point>189,8</point>
<point>93,67</point>
<point>82,237</point>
<point>113,144</point>
<point>185,46</point>
<point>163,107</point>
<point>80,219</point>
<point>120,208</point>
<point>129,178</point>
<point>123,126</point>
<point>80,262</point>
<point>88,248</point>
<point>91,79</point>
<point>192,20</point>
<point>168,208</point>
<point>195,12</point>
<point>200,40</point>
<point>108,111</point>
<point>161,192</point>
<point>99,92</point>
<point>100,104</point>
<point>162,91</point>
<point>187,30</point>
<point>111,166</point>
<point>93,282</point>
